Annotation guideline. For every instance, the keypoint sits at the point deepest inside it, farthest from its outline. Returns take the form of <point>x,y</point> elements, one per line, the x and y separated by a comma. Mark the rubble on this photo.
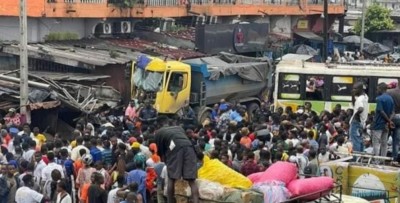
<point>44,92</point>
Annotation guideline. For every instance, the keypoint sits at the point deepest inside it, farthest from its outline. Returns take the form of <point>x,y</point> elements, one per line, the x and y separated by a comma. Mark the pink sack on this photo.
<point>280,171</point>
<point>306,186</point>
<point>255,177</point>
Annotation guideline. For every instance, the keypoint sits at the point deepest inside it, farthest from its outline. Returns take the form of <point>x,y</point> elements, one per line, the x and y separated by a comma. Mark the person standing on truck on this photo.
<point>383,112</point>
<point>395,94</point>
<point>359,118</point>
<point>148,114</point>
<point>178,154</point>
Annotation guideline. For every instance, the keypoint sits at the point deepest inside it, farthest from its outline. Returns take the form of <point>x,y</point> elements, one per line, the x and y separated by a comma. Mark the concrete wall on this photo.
<point>281,25</point>
<point>38,28</point>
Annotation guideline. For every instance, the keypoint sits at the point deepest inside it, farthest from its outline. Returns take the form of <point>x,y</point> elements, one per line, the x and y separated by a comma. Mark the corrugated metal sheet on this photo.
<point>157,49</point>
<point>85,54</point>
<point>68,77</point>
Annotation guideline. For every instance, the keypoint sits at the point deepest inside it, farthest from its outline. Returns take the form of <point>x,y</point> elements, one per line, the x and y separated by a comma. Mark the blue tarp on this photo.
<point>142,61</point>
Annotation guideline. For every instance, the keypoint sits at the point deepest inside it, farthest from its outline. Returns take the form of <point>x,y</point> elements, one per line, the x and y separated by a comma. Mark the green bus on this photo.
<point>326,85</point>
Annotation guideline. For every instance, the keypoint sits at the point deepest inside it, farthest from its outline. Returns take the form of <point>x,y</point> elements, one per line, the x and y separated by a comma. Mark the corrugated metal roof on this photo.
<point>156,48</point>
<point>56,76</point>
<point>81,53</point>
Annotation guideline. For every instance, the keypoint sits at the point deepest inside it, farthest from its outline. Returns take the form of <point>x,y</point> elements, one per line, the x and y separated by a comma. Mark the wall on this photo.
<point>38,28</point>
<point>118,80</point>
<point>281,25</point>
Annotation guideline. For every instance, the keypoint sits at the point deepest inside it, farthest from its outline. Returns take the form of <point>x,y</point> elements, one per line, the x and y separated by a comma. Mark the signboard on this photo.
<point>369,182</point>
<point>302,24</point>
<point>233,38</point>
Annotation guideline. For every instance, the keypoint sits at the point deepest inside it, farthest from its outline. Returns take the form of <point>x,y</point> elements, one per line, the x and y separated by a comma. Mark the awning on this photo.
<point>309,35</point>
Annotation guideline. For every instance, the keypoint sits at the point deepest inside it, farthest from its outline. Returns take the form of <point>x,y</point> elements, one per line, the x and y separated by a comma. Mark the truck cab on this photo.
<point>165,83</point>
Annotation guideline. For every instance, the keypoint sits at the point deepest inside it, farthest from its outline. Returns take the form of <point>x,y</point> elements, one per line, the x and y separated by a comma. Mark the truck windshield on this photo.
<point>148,80</point>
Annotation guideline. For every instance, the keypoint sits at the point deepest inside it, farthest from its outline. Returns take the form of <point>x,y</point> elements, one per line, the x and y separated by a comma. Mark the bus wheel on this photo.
<point>251,110</point>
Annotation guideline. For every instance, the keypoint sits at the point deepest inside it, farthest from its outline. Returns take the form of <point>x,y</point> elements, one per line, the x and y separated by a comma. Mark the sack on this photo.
<point>280,171</point>
<point>250,196</point>
<point>302,187</point>
<point>210,190</point>
<point>274,191</point>
<point>255,177</point>
<point>232,195</point>
<point>216,171</point>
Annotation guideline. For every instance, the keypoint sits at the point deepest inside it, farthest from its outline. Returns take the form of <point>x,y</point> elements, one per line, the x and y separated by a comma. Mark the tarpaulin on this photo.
<point>248,68</point>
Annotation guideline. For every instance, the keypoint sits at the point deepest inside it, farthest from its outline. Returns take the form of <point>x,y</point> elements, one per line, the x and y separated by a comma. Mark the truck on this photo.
<point>201,82</point>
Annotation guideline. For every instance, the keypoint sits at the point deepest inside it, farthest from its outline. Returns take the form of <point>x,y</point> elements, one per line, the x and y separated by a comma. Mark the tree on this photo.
<point>376,18</point>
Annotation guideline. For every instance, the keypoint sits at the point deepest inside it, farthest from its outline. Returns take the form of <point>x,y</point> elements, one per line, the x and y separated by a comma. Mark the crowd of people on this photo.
<point>139,157</point>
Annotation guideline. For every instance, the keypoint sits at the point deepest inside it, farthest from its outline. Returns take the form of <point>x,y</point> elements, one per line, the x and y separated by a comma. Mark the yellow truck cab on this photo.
<point>171,84</point>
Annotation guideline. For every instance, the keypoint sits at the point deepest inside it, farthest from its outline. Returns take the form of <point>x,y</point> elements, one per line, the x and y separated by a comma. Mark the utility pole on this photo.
<point>326,34</point>
<point>362,26</point>
<point>23,60</point>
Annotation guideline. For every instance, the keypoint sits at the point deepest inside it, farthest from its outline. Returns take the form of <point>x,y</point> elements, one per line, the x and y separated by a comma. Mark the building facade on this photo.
<point>85,18</point>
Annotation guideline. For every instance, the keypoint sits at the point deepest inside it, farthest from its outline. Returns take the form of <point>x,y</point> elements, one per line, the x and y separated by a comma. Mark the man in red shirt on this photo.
<point>13,118</point>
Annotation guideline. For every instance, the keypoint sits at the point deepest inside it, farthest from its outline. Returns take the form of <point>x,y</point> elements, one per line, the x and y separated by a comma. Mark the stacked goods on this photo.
<point>280,182</point>
<point>219,183</point>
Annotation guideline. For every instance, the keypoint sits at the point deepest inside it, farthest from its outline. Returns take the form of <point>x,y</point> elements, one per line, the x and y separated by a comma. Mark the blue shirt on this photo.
<point>68,166</point>
<point>235,116</point>
<point>383,102</point>
<point>139,177</point>
<point>96,154</point>
<point>107,157</point>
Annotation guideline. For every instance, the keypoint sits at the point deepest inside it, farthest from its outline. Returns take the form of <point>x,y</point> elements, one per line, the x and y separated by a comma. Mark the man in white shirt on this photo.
<point>39,165</point>
<point>79,145</point>
<point>46,172</point>
<point>27,155</point>
<point>359,118</point>
<point>112,195</point>
<point>27,195</point>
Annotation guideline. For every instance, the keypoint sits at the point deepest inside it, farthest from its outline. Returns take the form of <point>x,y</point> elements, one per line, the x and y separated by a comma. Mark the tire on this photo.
<point>203,116</point>
<point>251,110</point>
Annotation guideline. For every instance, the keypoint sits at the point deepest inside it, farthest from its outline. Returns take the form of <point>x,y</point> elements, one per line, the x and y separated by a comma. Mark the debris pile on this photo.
<point>46,92</point>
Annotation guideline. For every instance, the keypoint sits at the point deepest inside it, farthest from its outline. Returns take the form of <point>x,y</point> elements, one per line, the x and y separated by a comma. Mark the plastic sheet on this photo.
<point>274,191</point>
<point>216,171</point>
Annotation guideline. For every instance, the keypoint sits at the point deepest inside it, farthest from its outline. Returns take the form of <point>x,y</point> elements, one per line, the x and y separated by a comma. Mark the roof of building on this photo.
<point>156,49</point>
<point>79,53</point>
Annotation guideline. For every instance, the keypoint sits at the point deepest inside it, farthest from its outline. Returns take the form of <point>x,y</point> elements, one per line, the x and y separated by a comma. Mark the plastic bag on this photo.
<point>216,171</point>
<point>274,191</point>
<point>210,190</point>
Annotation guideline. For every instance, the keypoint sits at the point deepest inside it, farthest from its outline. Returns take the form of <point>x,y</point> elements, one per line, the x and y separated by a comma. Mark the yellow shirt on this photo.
<point>41,139</point>
<point>73,144</point>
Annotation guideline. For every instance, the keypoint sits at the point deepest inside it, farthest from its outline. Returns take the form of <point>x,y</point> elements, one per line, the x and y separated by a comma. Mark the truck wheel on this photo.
<point>251,110</point>
<point>204,115</point>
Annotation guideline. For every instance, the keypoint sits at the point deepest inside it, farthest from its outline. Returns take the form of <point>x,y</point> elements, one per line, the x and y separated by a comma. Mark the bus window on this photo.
<point>341,88</point>
<point>391,82</point>
<point>315,88</point>
<point>290,86</point>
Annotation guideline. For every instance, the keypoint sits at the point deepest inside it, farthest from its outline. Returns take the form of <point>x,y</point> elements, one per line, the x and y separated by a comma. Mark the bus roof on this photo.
<point>296,66</point>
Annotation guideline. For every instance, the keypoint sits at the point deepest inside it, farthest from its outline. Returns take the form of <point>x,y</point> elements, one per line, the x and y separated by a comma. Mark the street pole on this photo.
<point>362,26</point>
<point>326,34</point>
<point>23,60</point>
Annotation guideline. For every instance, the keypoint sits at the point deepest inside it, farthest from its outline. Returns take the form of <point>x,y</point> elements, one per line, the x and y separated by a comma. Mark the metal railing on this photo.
<point>204,2</point>
<point>78,1</point>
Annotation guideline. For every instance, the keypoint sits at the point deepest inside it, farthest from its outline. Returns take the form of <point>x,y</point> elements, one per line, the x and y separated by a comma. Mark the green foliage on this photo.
<point>376,18</point>
<point>178,28</point>
<point>60,36</point>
